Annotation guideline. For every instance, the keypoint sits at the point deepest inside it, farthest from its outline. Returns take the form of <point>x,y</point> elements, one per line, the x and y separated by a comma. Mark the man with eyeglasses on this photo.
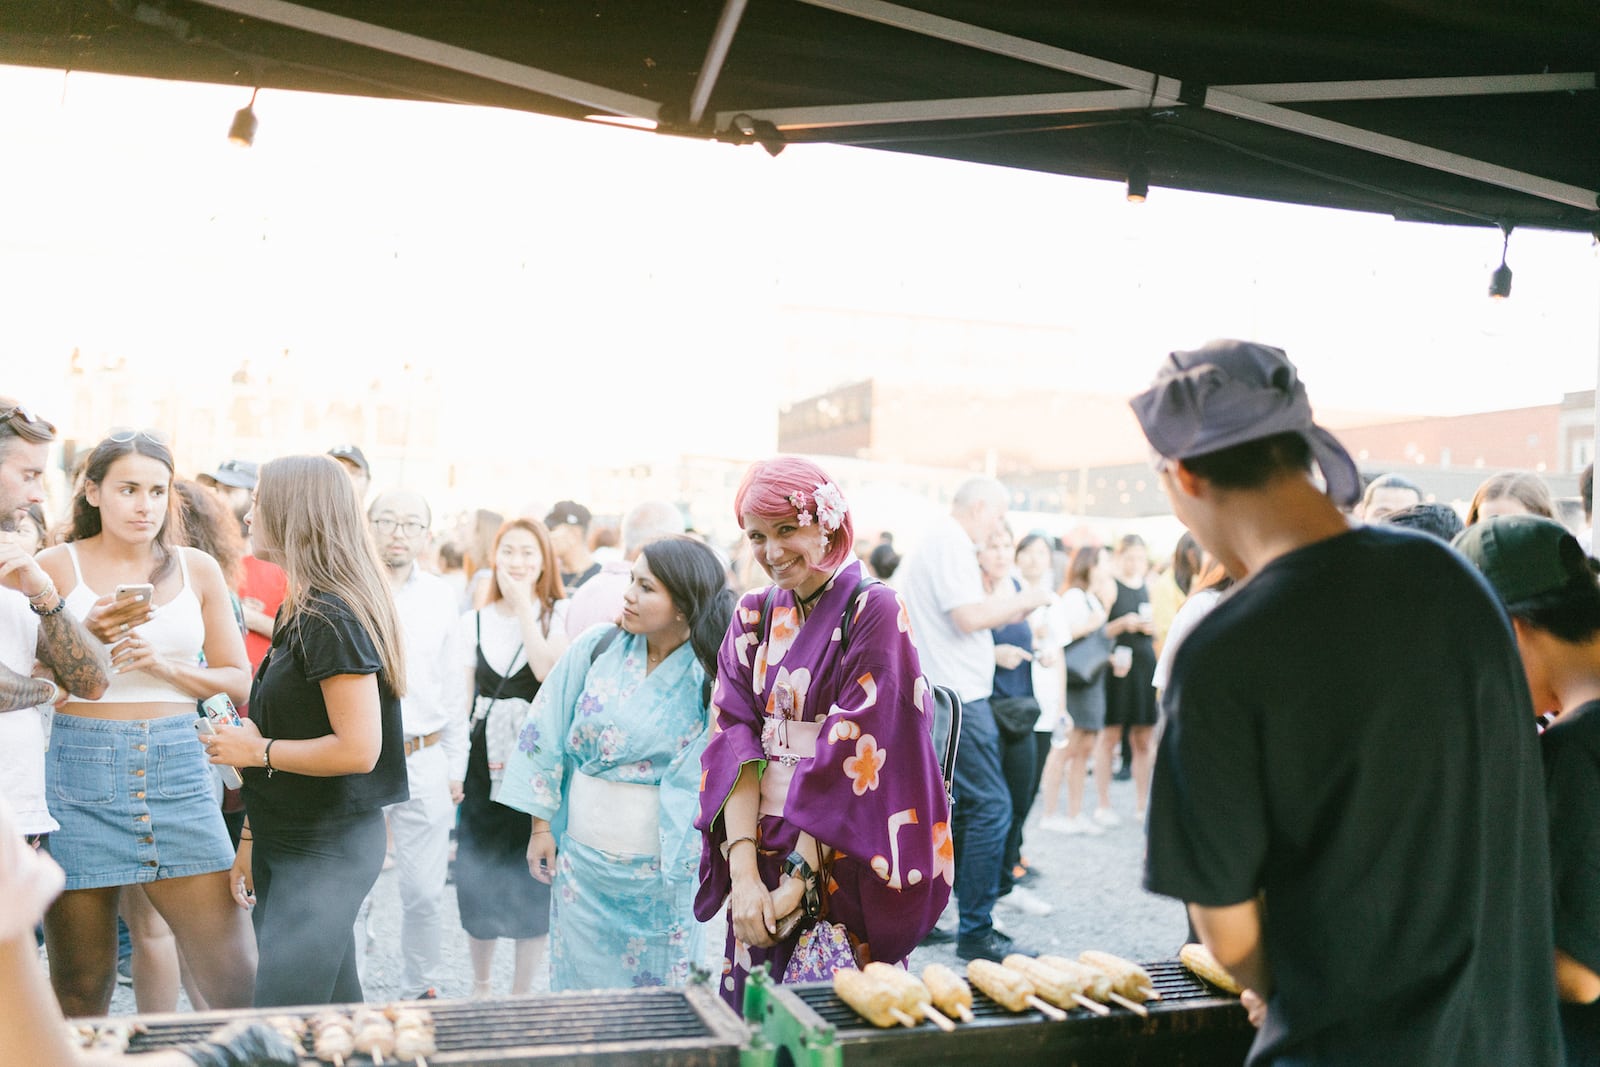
<point>35,627</point>
<point>434,719</point>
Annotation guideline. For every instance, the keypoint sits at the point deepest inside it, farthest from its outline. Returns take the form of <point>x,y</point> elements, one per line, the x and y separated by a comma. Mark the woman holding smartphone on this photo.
<point>321,753</point>
<point>125,776</point>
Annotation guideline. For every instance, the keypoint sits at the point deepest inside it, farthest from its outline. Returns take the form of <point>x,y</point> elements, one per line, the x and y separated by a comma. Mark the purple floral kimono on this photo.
<point>843,743</point>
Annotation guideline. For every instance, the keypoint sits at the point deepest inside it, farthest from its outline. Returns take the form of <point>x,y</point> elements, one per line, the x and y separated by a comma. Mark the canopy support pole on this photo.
<point>424,50</point>
<point>716,56</point>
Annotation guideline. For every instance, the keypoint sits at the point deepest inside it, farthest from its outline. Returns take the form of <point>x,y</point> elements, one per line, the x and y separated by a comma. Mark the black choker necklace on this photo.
<point>807,601</point>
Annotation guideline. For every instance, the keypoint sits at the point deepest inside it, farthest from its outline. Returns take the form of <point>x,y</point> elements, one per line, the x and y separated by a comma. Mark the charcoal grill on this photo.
<point>1192,1025</point>
<point>688,1027</point>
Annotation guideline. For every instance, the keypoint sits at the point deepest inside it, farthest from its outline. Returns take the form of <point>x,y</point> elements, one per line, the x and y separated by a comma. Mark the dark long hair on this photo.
<point>86,516</point>
<point>697,582</point>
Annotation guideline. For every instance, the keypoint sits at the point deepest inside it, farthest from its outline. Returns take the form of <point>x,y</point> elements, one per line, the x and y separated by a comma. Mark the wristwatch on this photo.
<point>796,866</point>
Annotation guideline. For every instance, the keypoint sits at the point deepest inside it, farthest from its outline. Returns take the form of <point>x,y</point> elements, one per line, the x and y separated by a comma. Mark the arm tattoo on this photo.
<point>82,664</point>
<point>19,691</point>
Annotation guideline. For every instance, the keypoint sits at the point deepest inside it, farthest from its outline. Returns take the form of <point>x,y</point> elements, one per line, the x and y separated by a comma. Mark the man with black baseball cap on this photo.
<point>354,462</point>
<point>1546,581</point>
<point>1347,791</point>
<point>568,523</point>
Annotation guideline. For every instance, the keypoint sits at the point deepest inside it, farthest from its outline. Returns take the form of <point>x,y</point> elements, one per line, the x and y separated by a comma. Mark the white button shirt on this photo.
<point>438,693</point>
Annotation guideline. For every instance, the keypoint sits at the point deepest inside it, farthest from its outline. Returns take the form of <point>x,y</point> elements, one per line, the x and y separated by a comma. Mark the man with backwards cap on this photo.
<point>1347,791</point>
<point>1543,575</point>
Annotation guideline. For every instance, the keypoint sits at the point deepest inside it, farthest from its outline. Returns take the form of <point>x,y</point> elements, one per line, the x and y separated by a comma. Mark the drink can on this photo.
<point>220,709</point>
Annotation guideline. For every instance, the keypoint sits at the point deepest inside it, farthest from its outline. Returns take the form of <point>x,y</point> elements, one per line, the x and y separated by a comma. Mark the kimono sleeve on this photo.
<point>873,791</point>
<point>536,770</point>
<point>734,740</point>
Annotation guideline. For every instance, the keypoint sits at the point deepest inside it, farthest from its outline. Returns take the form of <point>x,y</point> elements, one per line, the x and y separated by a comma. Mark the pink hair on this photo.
<point>765,492</point>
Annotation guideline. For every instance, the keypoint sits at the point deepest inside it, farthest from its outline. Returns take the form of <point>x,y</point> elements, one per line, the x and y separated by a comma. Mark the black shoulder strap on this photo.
<point>604,643</point>
<point>851,609</point>
<point>766,611</point>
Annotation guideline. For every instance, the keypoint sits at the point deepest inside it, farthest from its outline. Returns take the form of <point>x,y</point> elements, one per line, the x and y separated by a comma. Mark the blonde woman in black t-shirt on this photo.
<point>321,753</point>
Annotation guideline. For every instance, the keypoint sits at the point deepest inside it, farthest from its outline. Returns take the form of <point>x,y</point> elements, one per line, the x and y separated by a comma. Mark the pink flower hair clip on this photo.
<point>830,507</point>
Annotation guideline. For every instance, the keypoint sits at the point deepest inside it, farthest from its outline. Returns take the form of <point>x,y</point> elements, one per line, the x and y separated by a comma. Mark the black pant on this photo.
<point>310,881</point>
<point>1017,763</point>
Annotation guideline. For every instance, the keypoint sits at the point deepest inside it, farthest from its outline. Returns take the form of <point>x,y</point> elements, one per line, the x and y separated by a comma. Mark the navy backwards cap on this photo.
<point>1229,393</point>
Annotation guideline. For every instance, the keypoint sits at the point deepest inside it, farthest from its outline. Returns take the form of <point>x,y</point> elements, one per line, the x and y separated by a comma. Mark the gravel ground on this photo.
<point>1093,883</point>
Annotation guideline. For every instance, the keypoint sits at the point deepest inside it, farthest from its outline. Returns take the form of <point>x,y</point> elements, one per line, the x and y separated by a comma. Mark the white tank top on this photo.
<point>177,631</point>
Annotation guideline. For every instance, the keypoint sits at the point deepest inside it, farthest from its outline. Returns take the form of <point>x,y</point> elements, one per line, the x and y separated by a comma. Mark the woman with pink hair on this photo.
<point>824,813</point>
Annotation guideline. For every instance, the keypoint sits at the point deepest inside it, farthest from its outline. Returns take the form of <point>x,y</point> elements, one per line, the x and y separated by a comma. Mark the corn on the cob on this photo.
<point>949,990</point>
<point>1057,987</point>
<point>1008,988</point>
<point>1203,965</point>
<point>1093,982</point>
<point>871,999</point>
<point>915,1000</point>
<point>1127,979</point>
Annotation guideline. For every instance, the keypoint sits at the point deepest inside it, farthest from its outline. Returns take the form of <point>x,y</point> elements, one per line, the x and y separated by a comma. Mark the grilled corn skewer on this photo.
<point>1008,988</point>
<point>869,998</point>
<point>915,1000</point>
<point>1128,979</point>
<point>1203,965</point>
<point>1063,989</point>
<point>949,990</point>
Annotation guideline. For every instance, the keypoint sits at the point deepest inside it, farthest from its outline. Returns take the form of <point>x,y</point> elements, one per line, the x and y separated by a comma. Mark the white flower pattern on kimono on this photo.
<point>612,740</point>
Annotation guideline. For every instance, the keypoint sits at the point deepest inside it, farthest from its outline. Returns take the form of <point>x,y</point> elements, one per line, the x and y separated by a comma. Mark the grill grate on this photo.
<point>665,1021</point>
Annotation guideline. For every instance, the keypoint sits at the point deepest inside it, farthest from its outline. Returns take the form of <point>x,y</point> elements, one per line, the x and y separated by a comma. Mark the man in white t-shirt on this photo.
<point>951,617</point>
<point>35,627</point>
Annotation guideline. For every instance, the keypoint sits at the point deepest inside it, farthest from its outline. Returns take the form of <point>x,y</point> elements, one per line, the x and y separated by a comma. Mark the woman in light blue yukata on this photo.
<point>608,765</point>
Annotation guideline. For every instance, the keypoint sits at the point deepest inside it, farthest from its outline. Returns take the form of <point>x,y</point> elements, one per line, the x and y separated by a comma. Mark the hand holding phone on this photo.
<point>230,775</point>
<point>138,592</point>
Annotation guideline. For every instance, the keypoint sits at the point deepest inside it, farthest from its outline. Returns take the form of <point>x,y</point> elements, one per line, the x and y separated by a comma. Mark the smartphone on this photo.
<point>230,775</point>
<point>141,591</point>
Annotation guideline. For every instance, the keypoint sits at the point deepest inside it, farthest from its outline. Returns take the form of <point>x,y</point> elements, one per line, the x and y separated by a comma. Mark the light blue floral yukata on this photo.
<point>617,920</point>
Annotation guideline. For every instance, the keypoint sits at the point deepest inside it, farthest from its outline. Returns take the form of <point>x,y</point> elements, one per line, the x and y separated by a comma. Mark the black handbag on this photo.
<point>1087,659</point>
<point>1015,717</point>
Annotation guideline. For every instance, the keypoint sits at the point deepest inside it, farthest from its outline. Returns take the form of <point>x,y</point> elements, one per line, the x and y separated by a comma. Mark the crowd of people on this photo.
<point>618,743</point>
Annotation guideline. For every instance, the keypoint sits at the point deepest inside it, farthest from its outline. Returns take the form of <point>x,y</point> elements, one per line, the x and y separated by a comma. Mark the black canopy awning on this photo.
<point>1467,112</point>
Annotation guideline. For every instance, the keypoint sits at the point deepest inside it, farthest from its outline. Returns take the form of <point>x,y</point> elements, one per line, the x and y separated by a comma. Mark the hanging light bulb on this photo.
<point>1500,280</point>
<point>1138,166</point>
<point>243,130</point>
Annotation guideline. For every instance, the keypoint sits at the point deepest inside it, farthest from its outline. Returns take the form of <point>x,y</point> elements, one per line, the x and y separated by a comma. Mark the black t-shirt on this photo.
<point>1350,735</point>
<point>1572,788</point>
<point>321,641</point>
<point>572,581</point>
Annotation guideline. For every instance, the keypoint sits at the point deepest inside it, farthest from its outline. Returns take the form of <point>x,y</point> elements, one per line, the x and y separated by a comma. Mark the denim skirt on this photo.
<point>135,802</point>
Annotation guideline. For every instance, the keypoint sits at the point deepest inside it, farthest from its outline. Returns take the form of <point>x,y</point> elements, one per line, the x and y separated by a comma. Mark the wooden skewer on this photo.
<point>938,1018</point>
<point>1093,1005</point>
<point>1132,1005</point>
<point>965,1013</point>
<point>421,1062</point>
<point>902,1018</point>
<point>1149,994</point>
<point>377,1058</point>
<point>338,1060</point>
<point>1049,1011</point>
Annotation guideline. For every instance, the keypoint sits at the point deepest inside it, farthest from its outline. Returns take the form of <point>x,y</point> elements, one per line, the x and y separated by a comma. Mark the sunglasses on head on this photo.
<point>24,423</point>
<point>123,434</point>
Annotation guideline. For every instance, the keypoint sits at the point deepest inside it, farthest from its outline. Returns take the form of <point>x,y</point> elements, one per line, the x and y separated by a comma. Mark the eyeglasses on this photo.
<point>24,423</point>
<point>123,434</point>
<point>389,526</point>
